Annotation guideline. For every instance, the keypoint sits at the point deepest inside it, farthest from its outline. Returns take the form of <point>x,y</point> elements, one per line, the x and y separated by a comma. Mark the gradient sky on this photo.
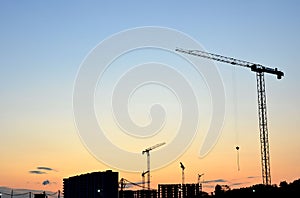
<point>42,45</point>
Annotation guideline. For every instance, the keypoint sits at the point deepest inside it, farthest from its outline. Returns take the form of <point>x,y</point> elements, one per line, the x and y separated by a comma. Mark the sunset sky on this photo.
<point>43,46</point>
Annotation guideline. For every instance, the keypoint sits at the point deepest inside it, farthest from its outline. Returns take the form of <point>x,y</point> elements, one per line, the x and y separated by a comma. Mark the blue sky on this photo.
<point>43,43</point>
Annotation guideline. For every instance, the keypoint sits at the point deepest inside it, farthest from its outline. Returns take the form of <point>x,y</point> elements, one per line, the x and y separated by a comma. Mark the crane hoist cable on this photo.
<point>235,116</point>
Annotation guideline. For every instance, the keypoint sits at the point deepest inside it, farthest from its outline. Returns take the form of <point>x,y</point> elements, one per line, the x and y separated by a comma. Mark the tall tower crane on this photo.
<point>261,95</point>
<point>182,172</point>
<point>147,151</point>
<point>199,181</point>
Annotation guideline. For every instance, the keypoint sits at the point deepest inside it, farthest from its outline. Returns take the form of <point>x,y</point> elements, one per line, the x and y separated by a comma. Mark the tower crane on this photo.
<point>147,151</point>
<point>199,177</point>
<point>261,96</point>
<point>199,181</point>
<point>182,172</point>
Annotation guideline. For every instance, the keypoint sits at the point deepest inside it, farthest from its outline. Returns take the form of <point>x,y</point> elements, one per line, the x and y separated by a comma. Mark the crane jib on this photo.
<point>233,61</point>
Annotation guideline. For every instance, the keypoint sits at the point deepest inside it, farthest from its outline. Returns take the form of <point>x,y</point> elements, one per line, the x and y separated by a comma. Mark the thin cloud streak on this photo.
<point>37,172</point>
<point>45,168</point>
<point>215,181</point>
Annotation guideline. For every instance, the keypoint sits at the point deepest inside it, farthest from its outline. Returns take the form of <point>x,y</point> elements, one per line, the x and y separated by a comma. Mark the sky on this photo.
<point>45,45</point>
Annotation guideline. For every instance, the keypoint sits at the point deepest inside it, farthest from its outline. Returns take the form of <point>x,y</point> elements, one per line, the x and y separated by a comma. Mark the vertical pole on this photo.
<point>148,164</point>
<point>182,183</point>
<point>182,176</point>
<point>262,112</point>
<point>199,182</point>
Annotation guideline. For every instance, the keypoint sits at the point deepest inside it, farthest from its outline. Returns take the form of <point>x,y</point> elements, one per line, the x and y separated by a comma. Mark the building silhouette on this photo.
<point>42,195</point>
<point>138,193</point>
<point>165,191</point>
<point>179,190</point>
<point>191,190</point>
<point>169,190</point>
<point>92,185</point>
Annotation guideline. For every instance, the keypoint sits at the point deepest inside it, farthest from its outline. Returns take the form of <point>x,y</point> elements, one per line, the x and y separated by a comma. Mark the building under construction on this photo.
<point>106,185</point>
<point>169,190</point>
<point>41,195</point>
<point>165,191</point>
<point>179,191</point>
<point>92,185</point>
<point>138,194</point>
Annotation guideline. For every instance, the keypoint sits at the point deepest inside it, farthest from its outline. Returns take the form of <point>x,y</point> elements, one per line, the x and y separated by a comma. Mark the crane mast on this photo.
<point>261,96</point>
<point>199,181</point>
<point>182,172</point>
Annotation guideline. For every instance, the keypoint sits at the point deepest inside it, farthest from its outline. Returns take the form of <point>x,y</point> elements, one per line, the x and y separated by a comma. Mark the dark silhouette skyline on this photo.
<point>283,189</point>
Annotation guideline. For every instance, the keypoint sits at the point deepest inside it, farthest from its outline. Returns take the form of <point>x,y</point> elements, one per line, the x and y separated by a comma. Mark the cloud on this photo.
<point>45,168</point>
<point>41,170</point>
<point>239,183</point>
<point>37,172</point>
<point>252,177</point>
<point>215,181</point>
<point>46,182</point>
<point>212,183</point>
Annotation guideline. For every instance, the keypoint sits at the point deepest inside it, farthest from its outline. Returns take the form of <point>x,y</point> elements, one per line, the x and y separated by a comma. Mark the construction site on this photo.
<point>106,184</point>
<point>182,190</point>
<point>150,99</point>
<point>195,190</point>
